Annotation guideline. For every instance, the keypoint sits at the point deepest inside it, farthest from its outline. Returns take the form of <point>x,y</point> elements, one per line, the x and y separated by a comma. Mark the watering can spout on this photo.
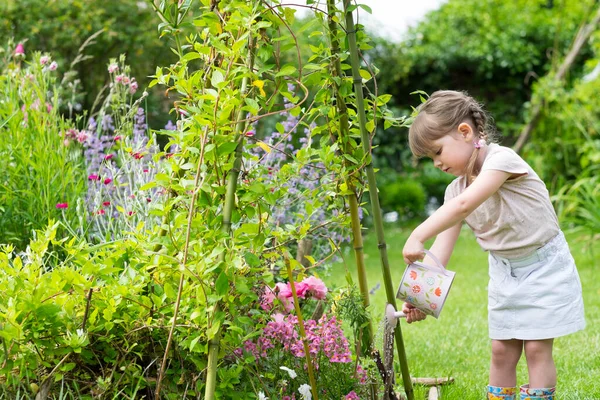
<point>392,316</point>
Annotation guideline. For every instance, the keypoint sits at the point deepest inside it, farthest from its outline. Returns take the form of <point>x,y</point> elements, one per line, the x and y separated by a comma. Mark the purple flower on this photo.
<point>170,126</point>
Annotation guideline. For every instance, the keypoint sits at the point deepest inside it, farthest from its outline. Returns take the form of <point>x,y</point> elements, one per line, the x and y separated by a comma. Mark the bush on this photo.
<point>405,196</point>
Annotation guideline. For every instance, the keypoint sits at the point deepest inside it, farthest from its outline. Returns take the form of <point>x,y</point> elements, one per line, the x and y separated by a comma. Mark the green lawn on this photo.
<point>457,344</point>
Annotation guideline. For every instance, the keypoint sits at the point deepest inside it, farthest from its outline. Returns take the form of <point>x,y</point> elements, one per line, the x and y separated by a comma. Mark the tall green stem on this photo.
<point>344,138</point>
<point>232,179</point>
<point>376,209</point>
<point>311,372</point>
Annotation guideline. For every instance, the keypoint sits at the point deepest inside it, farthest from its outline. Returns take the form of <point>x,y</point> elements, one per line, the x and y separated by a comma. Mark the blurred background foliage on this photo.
<point>499,51</point>
<point>60,27</point>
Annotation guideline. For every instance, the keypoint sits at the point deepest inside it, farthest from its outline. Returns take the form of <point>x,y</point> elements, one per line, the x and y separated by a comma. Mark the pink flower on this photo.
<point>283,290</point>
<point>93,177</point>
<point>301,289</point>
<point>278,317</point>
<point>62,205</point>
<point>107,181</point>
<point>137,156</point>
<point>133,86</point>
<point>352,396</point>
<point>44,60</point>
<point>82,136</point>
<point>117,138</point>
<point>106,203</point>
<point>113,68</point>
<point>316,287</point>
<point>266,300</point>
<point>108,157</point>
<point>48,107</point>
<point>130,213</point>
<point>101,212</point>
<point>20,50</point>
<point>146,171</point>
<point>53,65</point>
<point>119,78</point>
<point>250,133</point>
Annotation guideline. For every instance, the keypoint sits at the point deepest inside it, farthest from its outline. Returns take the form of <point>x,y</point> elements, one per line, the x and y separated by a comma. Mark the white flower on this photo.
<point>291,372</point>
<point>305,392</point>
<point>261,396</point>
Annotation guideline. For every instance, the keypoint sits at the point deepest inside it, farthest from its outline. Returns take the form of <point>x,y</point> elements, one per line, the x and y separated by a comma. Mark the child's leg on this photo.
<point>542,372</point>
<point>505,356</point>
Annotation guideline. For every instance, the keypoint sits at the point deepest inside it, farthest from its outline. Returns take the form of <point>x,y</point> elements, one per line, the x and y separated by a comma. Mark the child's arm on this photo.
<point>442,248</point>
<point>453,212</point>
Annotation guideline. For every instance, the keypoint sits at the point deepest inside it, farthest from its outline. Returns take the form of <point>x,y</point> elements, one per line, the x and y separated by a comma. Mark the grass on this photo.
<point>457,344</point>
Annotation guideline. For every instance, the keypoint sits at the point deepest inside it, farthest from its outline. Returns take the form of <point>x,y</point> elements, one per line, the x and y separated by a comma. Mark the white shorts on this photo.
<point>536,297</point>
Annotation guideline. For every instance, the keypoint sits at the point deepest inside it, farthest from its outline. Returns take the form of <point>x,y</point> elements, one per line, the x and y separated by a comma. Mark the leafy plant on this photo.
<point>40,179</point>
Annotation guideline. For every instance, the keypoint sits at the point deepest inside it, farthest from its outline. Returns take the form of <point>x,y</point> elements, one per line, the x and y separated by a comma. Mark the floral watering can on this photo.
<point>426,287</point>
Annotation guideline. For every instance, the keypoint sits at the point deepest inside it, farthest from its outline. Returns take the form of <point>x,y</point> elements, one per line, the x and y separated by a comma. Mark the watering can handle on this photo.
<point>434,258</point>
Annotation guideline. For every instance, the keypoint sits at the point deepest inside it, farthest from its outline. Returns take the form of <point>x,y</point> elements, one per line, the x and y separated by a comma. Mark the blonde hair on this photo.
<point>440,115</point>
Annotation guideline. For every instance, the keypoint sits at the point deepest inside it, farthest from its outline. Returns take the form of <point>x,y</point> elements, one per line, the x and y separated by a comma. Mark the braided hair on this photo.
<point>440,115</point>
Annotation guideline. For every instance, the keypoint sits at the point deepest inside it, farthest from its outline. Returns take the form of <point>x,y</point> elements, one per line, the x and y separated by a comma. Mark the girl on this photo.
<point>534,292</point>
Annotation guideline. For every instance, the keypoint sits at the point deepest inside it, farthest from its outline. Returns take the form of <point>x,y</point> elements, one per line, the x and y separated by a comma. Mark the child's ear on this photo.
<point>465,130</point>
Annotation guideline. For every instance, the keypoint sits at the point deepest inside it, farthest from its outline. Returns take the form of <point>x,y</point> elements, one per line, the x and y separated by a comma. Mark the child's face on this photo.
<point>452,152</point>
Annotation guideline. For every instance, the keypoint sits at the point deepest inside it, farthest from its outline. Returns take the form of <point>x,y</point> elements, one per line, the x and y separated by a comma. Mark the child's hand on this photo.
<point>413,250</point>
<point>412,314</point>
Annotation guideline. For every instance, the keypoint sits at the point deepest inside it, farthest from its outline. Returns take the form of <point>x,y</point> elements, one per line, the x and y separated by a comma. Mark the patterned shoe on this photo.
<point>528,393</point>
<point>501,393</point>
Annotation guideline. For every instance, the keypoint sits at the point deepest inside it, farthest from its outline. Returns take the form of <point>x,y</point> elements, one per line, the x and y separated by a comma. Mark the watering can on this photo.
<point>425,287</point>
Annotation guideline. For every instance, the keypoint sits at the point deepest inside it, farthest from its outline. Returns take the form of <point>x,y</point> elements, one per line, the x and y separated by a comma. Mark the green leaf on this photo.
<point>194,342</point>
<point>366,75</point>
<point>148,185</point>
<point>366,8</point>
<point>169,291</point>
<point>286,70</point>
<point>222,284</point>
<point>216,78</point>
<point>252,259</point>
<point>226,148</point>
<point>190,56</point>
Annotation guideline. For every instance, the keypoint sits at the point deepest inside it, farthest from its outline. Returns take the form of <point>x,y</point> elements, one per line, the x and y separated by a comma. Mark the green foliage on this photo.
<point>494,49</point>
<point>38,172</point>
<point>159,302</point>
<point>405,196</point>
<point>61,27</point>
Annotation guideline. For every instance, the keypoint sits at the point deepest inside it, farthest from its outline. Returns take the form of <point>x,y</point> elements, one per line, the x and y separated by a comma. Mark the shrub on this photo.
<point>405,196</point>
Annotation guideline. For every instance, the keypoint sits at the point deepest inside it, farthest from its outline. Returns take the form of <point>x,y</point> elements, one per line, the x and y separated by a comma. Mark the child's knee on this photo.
<point>506,352</point>
<point>538,350</point>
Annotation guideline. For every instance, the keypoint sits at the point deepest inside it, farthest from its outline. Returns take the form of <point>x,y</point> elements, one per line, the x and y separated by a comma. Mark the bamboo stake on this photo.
<point>582,36</point>
<point>215,342</point>
<point>357,240</point>
<point>311,373</point>
<point>376,209</point>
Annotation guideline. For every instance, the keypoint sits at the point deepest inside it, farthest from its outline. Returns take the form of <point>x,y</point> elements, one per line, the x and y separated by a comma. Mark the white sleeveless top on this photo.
<point>519,217</point>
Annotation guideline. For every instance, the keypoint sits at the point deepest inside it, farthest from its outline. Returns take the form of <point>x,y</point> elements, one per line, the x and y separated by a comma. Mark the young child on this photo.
<point>534,291</point>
